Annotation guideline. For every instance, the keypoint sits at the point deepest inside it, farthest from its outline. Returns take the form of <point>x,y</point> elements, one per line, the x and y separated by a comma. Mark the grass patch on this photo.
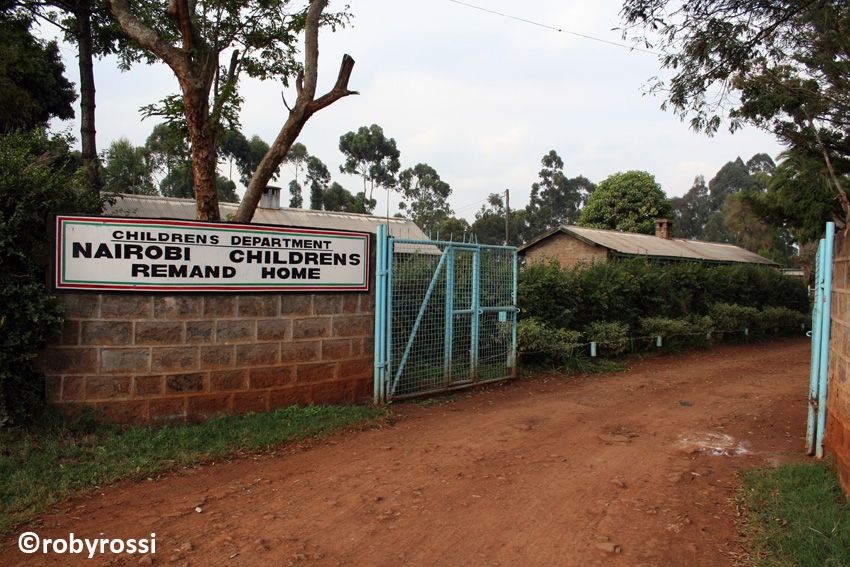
<point>39,468</point>
<point>796,515</point>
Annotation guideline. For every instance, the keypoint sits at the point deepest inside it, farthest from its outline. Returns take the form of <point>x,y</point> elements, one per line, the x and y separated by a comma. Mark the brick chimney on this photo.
<point>664,228</point>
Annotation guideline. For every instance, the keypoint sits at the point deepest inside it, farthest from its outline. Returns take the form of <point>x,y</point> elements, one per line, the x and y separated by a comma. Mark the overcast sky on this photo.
<point>479,97</point>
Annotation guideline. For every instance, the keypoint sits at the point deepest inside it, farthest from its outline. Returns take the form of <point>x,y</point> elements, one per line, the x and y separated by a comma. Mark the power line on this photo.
<point>553,28</point>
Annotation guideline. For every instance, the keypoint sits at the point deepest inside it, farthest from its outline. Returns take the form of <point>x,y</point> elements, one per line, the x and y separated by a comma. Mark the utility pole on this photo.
<point>507,216</point>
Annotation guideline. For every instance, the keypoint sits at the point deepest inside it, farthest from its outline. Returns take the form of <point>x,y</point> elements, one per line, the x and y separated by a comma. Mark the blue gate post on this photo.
<point>814,373</point>
<point>476,313</point>
<point>380,314</point>
<point>826,319</point>
<point>450,315</point>
<point>512,355</point>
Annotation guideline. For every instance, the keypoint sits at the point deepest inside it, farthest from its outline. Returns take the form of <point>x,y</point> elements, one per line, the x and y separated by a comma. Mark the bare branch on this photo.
<point>283,98</point>
<point>311,47</point>
<point>340,89</point>
<point>145,36</point>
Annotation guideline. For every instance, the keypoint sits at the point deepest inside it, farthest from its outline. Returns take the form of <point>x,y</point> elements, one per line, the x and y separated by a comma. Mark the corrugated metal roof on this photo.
<point>633,244</point>
<point>170,207</point>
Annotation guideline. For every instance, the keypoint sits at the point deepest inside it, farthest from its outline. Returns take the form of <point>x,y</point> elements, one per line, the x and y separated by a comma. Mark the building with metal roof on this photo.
<point>146,206</point>
<point>570,245</point>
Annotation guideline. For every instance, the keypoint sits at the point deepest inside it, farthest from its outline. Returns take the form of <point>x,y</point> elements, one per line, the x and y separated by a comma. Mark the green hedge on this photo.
<point>615,302</point>
<point>37,178</point>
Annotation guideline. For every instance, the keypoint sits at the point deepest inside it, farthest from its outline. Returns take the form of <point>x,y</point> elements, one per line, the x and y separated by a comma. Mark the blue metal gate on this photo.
<point>821,318</point>
<point>445,315</point>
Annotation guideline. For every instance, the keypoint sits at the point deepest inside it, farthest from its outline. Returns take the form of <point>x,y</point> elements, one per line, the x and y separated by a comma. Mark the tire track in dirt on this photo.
<point>567,471</point>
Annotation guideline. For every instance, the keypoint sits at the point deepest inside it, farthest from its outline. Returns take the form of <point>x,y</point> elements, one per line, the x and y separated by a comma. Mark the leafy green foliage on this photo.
<point>318,178</point>
<point>537,337</point>
<point>425,196</point>
<point>555,199</point>
<point>629,202</point>
<point>371,155</point>
<point>37,178</point>
<point>638,298</point>
<point>33,87</point>
<point>489,224</point>
<point>128,169</point>
<point>612,337</point>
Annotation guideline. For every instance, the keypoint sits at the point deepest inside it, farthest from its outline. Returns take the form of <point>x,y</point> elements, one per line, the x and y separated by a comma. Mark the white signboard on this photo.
<point>102,253</point>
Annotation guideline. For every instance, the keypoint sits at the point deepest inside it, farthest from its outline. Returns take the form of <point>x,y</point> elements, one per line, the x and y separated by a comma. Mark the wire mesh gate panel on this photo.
<point>445,316</point>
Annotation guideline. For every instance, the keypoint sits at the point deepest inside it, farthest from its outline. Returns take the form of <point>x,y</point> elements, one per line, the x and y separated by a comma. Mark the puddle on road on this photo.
<point>719,444</point>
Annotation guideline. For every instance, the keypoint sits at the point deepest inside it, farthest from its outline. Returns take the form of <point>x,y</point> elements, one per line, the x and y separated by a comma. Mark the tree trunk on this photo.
<point>202,138</point>
<point>88,139</point>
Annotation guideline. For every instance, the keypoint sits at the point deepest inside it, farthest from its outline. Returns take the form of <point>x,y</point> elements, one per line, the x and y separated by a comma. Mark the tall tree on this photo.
<point>782,65</point>
<point>318,178</point>
<point>555,199</point>
<point>296,198</point>
<point>261,38</point>
<point>691,211</point>
<point>629,202</point>
<point>128,169</point>
<point>296,158</point>
<point>372,156</point>
<point>425,196</point>
<point>489,224</point>
<point>33,86</point>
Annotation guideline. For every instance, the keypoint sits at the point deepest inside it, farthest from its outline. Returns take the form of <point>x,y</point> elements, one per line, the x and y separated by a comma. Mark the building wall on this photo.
<point>837,435</point>
<point>153,358</point>
<point>566,250</point>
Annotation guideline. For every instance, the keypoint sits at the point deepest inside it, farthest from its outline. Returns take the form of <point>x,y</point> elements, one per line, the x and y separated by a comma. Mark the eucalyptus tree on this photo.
<point>371,155</point>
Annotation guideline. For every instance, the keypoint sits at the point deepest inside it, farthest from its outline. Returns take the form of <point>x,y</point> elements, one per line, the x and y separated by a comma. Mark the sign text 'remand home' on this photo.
<point>103,253</point>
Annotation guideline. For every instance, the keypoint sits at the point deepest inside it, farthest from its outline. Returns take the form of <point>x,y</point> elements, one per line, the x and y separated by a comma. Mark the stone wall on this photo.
<point>566,250</point>
<point>837,435</point>
<point>152,358</point>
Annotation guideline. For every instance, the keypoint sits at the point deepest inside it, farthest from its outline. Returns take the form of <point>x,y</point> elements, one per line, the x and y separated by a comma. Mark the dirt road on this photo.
<point>635,468</point>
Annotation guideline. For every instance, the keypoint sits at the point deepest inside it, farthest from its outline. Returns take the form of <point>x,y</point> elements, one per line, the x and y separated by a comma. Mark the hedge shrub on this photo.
<point>611,302</point>
<point>37,178</point>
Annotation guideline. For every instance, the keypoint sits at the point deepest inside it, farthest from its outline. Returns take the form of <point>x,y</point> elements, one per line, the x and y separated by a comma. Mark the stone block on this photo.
<point>262,354</point>
<point>106,333</point>
<point>259,306</point>
<point>53,388</point>
<point>70,335</point>
<point>57,360</point>
<point>217,356</point>
<point>108,387</point>
<point>219,306</point>
<point>367,303</point>
<point>126,307</point>
<point>327,304</point>
<point>307,351</point>
<point>159,333</point>
<point>285,397</point>
<point>228,380</point>
<point>73,388</point>
<point>146,386</point>
<point>199,331</point>
<point>169,359</point>
<point>254,402</point>
<point>274,330</point>
<point>296,305</point>
<point>83,306</point>
<point>125,360</point>
<point>316,328</point>
<point>274,377</point>
<point>122,412</point>
<point>308,373</point>
<point>199,408</point>
<point>333,392</point>
<point>235,331</point>
<point>353,325</point>
<point>350,303</point>
<point>178,307</point>
<point>167,410</point>
<point>353,369</point>
<point>336,349</point>
<point>183,383</point>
